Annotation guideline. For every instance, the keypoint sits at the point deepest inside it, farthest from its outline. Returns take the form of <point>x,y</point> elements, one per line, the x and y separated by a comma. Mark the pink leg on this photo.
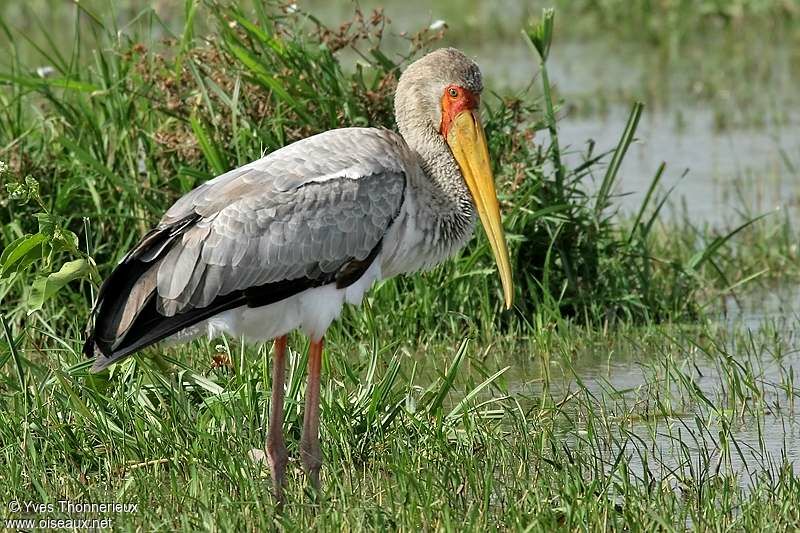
<point>310,453</point>
<point>276,447</point>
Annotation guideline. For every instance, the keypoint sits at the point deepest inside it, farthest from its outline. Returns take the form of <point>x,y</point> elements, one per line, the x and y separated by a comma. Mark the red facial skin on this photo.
<point>460,100</point>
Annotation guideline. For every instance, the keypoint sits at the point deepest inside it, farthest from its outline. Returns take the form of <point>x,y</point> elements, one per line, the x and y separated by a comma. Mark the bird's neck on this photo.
<point>444,178</point>
<point>444,200</point>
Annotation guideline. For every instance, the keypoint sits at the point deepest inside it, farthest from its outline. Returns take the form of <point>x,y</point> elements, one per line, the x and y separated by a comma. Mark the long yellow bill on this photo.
<point>468,143</point>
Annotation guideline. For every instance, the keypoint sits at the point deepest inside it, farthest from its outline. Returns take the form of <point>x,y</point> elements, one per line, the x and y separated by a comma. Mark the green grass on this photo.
<point>529,450</point>
<point>440,412</point>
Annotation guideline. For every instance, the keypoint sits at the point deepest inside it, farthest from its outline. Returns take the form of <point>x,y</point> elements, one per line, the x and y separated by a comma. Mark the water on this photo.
<point>719,178</point>
<point>666,396</point>
<point>760,439</point>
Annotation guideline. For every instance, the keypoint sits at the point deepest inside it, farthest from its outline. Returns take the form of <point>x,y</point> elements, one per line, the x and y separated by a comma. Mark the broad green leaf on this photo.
<point>10,248</point>
<point>44,288</point>
<point>21,253</point>
<point>64,239</point>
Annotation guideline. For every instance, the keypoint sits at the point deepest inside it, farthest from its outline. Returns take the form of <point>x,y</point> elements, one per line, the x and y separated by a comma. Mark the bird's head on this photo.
<point>438,98</point>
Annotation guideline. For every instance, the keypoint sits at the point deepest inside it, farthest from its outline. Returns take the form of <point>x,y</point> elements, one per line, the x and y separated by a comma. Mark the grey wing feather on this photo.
<point>302,211</point>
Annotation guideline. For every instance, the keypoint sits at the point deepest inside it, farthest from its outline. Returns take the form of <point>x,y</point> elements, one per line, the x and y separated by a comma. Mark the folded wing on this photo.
<point>307,215</point>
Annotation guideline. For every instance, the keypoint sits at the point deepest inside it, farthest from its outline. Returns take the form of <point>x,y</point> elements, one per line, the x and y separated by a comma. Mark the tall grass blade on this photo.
<point>646,202</point>
<point>18,363</point>
<point>708,252</point>
<point>467,400</point>
<point>619,155</point>
<point>446,384</point>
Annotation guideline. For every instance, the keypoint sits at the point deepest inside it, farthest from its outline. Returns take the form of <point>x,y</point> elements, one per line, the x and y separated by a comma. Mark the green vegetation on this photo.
<point>404,452</point>
<point>440,411</point>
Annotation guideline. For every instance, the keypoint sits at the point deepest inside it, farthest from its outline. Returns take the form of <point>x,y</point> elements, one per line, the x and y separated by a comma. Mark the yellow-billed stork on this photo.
<point>281,243</point>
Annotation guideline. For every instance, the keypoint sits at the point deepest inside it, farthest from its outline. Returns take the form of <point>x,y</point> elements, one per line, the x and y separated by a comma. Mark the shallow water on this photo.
<point>719,178</point>
<point>675,445</point>
<point>756,360</point>
<point>722,172</point>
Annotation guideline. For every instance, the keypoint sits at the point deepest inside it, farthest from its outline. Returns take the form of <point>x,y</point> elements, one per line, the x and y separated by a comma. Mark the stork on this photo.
<point>283,242</point>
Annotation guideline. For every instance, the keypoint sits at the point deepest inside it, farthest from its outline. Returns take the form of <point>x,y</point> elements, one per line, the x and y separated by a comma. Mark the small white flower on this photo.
<point>45,71</point>
<point>291,8</point>
<point>437,25</point>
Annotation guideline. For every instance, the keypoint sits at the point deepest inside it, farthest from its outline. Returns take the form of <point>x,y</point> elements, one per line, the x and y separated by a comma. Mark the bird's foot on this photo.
<point>277,464</point>
<point>311,456</point>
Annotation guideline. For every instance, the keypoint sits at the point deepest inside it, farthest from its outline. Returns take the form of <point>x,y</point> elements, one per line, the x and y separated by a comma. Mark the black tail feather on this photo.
<point>101,332</point>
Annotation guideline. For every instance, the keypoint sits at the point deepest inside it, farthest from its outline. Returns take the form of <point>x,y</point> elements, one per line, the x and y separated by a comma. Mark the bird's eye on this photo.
<point>453,92</point>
